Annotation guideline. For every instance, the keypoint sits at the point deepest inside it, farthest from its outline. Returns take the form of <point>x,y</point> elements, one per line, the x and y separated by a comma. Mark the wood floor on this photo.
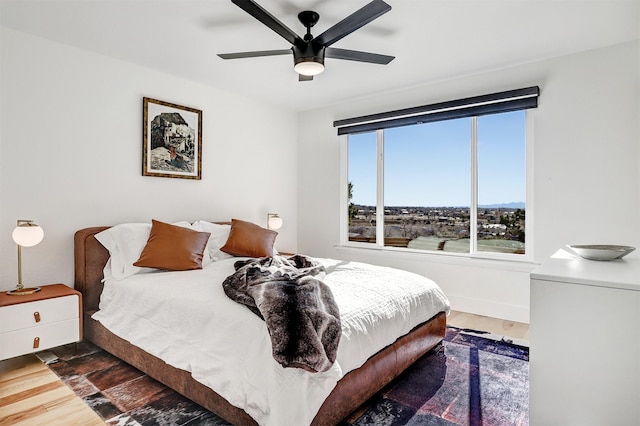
<point>32,395</point>
<point>511,329</point>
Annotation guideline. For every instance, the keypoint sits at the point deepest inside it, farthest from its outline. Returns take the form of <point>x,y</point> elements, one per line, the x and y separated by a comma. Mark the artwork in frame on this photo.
<point>172,140</point>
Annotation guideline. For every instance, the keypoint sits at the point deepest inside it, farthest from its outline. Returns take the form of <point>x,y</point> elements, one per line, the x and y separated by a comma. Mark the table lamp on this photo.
<point>274,221</point>
<point>26,234</point>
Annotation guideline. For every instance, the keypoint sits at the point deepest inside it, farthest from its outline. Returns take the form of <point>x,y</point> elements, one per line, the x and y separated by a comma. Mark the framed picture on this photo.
<point>171,141</point>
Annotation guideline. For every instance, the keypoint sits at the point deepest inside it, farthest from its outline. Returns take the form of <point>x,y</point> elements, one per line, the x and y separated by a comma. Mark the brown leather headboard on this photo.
<point>90,257</point>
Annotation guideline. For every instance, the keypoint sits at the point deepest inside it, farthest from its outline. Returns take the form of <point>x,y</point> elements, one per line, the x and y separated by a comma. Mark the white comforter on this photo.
<point>186,319</point>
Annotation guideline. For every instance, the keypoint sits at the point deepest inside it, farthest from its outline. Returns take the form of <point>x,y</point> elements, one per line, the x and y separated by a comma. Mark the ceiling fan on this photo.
<point>309,52</point>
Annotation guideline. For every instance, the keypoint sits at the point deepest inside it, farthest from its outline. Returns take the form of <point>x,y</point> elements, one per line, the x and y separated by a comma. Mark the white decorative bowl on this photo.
<point>601,251</point>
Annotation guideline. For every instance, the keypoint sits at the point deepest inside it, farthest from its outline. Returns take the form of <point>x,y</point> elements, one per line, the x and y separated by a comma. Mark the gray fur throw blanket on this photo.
<point>298,308</point>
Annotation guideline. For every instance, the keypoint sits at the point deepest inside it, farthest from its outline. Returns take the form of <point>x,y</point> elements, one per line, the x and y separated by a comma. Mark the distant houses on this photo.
<point>442,228</point>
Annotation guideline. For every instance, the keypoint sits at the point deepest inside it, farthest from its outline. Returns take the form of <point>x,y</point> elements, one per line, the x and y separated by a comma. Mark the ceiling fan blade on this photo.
<point>255,54</point>
<point>255,10</point>
<point>356,55</point>
<point>352,22</point>
<point>305,77</point>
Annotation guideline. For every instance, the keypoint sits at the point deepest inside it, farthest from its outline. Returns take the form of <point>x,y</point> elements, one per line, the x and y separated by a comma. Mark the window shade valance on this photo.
<point>511,100</point>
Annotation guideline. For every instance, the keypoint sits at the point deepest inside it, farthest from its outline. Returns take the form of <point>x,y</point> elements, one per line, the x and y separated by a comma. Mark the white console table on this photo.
<point>585,342</point>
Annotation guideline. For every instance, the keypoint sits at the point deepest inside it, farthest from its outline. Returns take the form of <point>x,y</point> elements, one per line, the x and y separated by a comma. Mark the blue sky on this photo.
<point>428,165</point>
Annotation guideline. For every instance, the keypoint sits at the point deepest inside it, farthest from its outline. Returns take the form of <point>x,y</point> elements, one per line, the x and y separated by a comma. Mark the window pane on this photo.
<point>427,186</point>
<point>362,187</point>
<point>501,182</point>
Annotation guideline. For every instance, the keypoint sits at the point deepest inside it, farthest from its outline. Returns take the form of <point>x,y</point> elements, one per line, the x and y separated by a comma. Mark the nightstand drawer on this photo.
<point>38,313</point>
<point>46,336</point>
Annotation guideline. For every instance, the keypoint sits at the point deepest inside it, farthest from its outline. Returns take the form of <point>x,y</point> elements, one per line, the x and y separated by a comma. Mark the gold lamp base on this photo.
<point>23,291</point>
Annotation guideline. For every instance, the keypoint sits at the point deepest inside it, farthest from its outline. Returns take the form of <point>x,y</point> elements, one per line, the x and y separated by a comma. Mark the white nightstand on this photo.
<point>39,321</point>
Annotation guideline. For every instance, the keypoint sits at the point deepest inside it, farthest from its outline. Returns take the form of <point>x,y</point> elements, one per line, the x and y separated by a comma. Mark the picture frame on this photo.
<point>171,140</point>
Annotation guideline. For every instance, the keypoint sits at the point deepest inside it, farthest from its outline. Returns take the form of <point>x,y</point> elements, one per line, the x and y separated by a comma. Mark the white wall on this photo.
<point>585,171</point>
<point>71,154</point>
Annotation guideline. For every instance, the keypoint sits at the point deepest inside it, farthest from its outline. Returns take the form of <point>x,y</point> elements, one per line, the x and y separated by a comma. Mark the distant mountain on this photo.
<point>514,205</point>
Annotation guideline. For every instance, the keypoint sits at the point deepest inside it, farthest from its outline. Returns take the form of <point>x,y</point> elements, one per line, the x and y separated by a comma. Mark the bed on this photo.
<point>351,390</point>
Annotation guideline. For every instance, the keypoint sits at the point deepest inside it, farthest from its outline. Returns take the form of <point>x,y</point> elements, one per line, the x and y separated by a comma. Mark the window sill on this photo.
<point>459,259</point>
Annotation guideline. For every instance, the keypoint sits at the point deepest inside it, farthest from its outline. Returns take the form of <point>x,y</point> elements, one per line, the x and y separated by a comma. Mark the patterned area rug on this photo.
<point>469,379</point>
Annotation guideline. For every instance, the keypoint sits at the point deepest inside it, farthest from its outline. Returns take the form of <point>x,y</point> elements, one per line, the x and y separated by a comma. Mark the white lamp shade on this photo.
<point>27,236</point>
<point>309,68</point>
<point>275,222</point>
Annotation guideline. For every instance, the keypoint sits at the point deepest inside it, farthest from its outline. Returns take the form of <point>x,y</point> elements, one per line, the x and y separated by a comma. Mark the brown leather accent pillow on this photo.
<point>173,248</point>
<point>250,240</point>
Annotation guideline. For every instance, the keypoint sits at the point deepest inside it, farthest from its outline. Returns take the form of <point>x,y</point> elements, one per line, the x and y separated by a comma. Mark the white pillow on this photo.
<point>125,242</point>
<point>219,235</point>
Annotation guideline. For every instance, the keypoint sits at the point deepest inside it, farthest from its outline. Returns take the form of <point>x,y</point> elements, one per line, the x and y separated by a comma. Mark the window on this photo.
<point>455,185</point>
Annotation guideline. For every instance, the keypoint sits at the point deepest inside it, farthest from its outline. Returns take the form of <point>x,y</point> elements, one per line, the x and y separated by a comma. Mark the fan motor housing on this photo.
<point>308,52</point>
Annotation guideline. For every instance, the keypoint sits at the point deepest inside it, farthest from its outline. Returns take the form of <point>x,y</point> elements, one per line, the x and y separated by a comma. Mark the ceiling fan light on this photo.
<point>309,67</point>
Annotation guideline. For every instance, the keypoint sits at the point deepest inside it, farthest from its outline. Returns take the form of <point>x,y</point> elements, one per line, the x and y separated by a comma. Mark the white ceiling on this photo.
<point>431,39</point>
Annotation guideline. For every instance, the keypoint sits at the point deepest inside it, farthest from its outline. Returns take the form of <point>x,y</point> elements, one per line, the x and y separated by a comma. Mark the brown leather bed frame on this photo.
<point>350,392</point>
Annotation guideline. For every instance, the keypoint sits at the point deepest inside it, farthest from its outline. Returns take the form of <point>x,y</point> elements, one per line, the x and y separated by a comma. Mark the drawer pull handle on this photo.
<point>36,343</point>
<point>36,316</point>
